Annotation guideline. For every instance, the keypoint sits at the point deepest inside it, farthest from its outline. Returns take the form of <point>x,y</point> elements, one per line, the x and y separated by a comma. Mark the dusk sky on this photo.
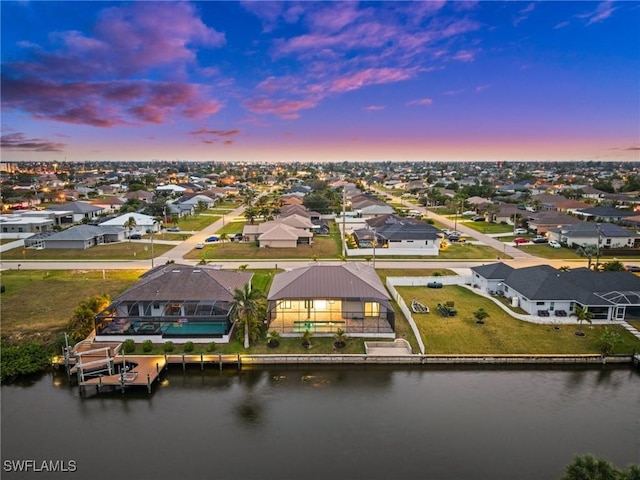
<point>320,81</point>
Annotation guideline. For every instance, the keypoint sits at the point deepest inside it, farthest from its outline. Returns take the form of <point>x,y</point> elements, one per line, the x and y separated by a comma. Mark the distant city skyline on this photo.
<point>320,81</point>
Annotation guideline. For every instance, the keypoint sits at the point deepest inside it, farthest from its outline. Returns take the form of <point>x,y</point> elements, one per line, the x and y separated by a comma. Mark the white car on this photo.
<point>554,244</point>
<point>520,231</point>
<point>199,245</point>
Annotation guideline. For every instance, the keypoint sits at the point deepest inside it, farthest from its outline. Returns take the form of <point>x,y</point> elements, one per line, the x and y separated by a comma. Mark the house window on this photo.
<point>572,306</point>
<point>308,304</point>
<point>551,306</point>
<point>539,303</point>
<point>608,242</point>
<point>371,309</point>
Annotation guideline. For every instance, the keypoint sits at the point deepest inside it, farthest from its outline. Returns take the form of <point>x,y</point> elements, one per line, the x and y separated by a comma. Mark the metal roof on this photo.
<point>351,280</point>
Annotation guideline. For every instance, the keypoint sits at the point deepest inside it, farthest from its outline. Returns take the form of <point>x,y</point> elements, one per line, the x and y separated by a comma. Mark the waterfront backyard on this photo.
<point>501,333</point>
<point>38,304</point>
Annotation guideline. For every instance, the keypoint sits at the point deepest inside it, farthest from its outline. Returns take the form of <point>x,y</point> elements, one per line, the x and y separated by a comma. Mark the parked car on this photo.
<point>199,245</point>
<point>468,213</point>
<point>520,231</point>
<point>632,268</point>
<point>446,231</point>
<point>212,238</point>
<point>478,218</point>
<point>236,237</point>
<point>540,239</point>
<point>554,244</point>
<point>519,240</point>
<point>173,229</point>
<point>135,236</point>
<point>454,238</point>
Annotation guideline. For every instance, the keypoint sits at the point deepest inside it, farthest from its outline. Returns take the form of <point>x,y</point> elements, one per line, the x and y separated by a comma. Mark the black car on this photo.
<point>135,236</point>
<point>539,240</point>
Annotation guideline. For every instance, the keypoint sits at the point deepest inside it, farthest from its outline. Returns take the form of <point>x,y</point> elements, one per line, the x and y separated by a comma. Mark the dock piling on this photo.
<point>201,362</point>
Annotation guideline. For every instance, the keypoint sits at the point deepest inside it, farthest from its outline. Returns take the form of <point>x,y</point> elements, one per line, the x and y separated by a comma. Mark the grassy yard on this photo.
<point>501,333</point>
<point>232,227</point>
<point>486,227</point>
<point>108,251</point>
<point>7,240</point>
<point>383,273</point>
<point>634,323</point>
<point>454,251</point>
<point>323,247</point>
<point>38,304</point>
<point>195,222</point>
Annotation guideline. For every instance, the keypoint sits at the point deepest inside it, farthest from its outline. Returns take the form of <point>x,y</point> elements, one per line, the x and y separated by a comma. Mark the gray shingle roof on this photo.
<point>183,282</point>
<point>84,232</point>
<point>76,207</point>
<point>582,285</point>
<point>351,280</point>
<point>494,271</point>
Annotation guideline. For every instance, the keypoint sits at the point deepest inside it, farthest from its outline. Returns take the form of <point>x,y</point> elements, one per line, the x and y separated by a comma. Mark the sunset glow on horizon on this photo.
<point>320,81</point>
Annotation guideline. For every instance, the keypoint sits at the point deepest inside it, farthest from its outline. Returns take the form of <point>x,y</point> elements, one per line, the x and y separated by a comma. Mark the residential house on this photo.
<point>174,302</point>
<point>541,222</point>
<point>325,298</point>
<point>399,236</point>
<point>604,214</point>
<point>607,235</point>
<point>109,204</point>
<point>544,291</point>
<point>288,232</point>
<point>78,210</point>
<point>143,223</point>
<point>16,225</point>
<point>79,237</point>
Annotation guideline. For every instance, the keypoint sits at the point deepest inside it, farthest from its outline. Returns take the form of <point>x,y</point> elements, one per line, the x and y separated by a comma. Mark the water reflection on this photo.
<point>340,423</point>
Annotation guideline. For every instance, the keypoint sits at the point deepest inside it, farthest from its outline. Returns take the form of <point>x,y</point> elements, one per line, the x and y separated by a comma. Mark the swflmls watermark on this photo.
<point>37,466</point>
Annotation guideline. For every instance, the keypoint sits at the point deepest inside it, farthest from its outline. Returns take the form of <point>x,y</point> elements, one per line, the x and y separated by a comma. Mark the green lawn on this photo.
<point>195,222</point>
<point>455,251</point>
<point>501,333</point>
<point>487,227</point>
<point>37,303</point>
<point>383,273</point>
<point>323,247</point>
<point>7,240</point>
<point>634,323</point>
<point>232,227</point>
<point>108,251</point>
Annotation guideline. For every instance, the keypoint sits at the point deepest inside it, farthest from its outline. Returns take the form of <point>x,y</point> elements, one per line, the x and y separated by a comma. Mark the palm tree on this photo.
<point>587,251</point>
<point>224,237</point>
<point>130,224</point>
<point>585,467</point>
<point>250,214</point>
<point>583,315</point>
<point>245,309</point>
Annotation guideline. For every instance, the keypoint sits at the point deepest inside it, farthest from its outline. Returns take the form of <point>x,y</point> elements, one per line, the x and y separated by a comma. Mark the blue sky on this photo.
<point>320,81</point>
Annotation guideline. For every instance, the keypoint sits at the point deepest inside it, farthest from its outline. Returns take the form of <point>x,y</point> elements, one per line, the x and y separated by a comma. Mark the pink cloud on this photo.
<point>335,16</point>
<point>374,108</point>
<point>19,142</point>
<point>287,109</point>
<point>107,104</point>
<point>464,56</point>
<point>370,76</point>
<point>481,88</point>
<point>421,101</point>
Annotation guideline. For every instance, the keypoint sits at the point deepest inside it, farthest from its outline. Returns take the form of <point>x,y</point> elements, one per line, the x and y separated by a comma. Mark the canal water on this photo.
<point>327,423</point>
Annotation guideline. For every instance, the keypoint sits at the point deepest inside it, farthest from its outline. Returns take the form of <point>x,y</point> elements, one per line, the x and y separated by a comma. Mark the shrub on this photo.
<point>168,347</point>
<point>273,338</point>
<point>24,359</point>
<point>211,347</point>
<point>129,345</point>
<point>188,347</point>
<point>147,346</point>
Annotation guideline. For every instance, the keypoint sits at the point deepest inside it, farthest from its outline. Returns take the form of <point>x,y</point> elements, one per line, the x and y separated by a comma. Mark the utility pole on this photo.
<point>344,210</point>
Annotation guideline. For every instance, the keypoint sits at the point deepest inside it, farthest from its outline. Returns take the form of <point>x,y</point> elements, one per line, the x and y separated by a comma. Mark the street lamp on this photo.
<point>153,227</point>
<point>375,241</point>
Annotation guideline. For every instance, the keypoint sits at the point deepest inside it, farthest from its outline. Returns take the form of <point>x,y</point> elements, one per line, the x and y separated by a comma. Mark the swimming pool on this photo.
<point>193,329</point>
